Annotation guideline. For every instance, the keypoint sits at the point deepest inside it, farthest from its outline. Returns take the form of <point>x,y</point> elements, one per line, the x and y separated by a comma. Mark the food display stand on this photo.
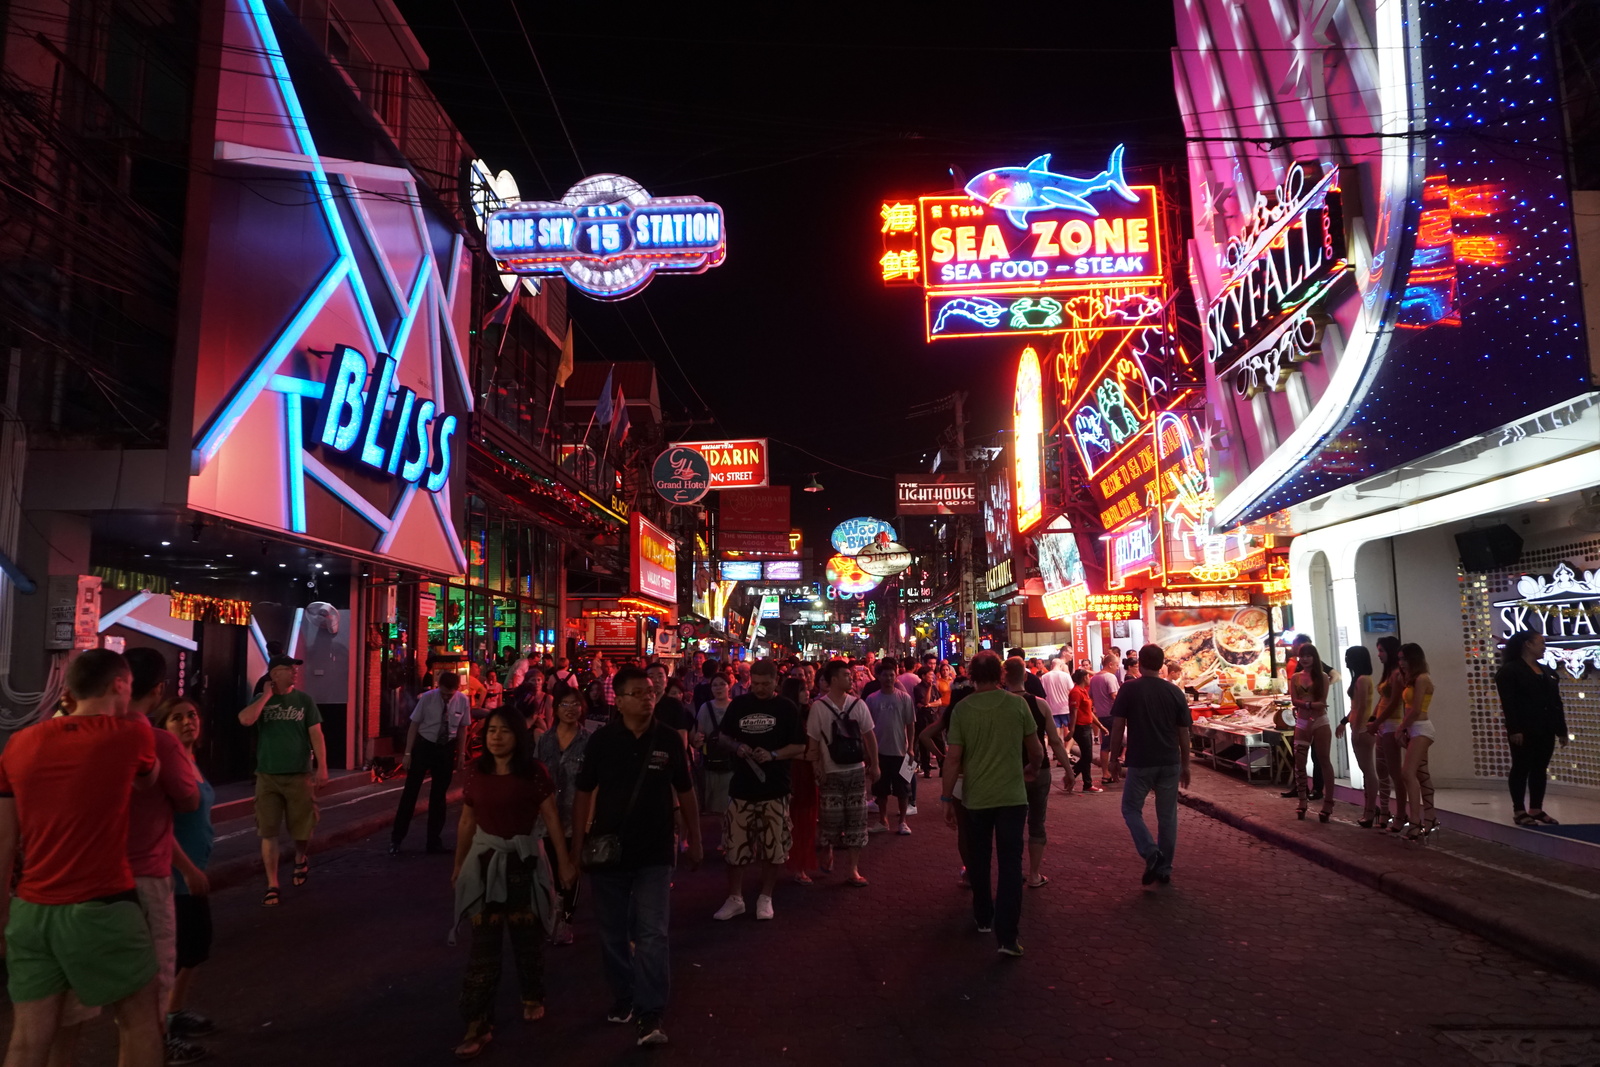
<point>1240,737</point>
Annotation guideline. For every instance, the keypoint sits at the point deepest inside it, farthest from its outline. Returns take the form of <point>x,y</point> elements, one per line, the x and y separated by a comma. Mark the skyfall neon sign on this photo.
<point>1290,252</point>
<point>608,236</point>
<point>386,427</point>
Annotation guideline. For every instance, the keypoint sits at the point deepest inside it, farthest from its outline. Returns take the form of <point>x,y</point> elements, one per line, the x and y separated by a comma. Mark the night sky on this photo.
<point>799,126</point>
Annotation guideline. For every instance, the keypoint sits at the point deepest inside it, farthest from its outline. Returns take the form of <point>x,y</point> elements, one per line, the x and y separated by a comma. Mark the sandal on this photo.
<point>272,898</point>
<point>472,1046</point>
<point>855,881</point>
<point>1044,880</point>
<point>1522,818</point>
<point>802,878</point>
<point>1541,817</point>
<point>302,871</point>
<point>532,1011</point>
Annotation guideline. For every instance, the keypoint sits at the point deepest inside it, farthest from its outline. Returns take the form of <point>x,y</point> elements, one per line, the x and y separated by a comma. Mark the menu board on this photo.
<point>1213,647</point>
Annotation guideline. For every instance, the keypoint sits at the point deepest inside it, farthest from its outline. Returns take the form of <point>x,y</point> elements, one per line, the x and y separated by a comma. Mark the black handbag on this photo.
<point>603,852</point>
<point>716,761</point>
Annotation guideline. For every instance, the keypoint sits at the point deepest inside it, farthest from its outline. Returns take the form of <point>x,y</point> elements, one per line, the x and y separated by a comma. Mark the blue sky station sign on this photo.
<point>608,236</point>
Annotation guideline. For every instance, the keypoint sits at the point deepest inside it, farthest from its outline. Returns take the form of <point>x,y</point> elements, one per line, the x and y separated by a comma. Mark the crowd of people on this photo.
<point>609,769</point>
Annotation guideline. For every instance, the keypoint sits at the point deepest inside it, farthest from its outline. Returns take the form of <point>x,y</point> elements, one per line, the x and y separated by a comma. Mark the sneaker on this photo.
<point>1093,789</point>
<point>188,1023</point>
<point>621,1012</point>
<point>904,831</point>
<point>912,810</point>
<point>1150,866</point>
<point>731,908</point>
<point>763,908</point>
<point>394,848</point>
<point>982,929</point>
<point>878,828</point>
<point>872,806</point>
<point>180,1052</point>
<point>650,1032</point>
<point>1012,949</point>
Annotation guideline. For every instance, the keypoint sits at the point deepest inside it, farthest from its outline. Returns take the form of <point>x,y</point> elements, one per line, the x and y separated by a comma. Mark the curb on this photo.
<point>1475,916</point>
<point>236,872</point>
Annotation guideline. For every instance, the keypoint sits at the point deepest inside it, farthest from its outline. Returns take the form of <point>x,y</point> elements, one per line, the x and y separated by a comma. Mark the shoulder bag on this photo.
<point>603,852</point>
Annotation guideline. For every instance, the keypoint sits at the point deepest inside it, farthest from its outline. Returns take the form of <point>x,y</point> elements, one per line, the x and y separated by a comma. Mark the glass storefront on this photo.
<point>512,594</point>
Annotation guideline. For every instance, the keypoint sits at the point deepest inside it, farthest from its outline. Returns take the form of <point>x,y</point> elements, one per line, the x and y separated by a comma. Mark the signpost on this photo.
<point>681,475</point>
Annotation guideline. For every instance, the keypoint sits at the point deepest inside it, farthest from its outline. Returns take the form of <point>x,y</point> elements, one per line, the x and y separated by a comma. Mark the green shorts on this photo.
<point>285,797</point>
<point>101,951</point>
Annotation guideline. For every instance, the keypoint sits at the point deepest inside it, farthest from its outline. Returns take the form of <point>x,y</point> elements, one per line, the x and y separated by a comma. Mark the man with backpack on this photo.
<point>845,755</point>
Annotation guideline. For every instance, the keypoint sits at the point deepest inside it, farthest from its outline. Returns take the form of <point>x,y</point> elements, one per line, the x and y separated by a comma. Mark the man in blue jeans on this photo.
<point>991,737</point>
<point>637,765</point>
<point>1156,716</point>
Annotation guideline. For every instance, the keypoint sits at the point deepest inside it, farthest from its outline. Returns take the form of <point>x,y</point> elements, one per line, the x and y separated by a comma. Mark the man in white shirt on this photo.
<point>1058,693</point>
<point>1103,688</point>
<point>438,724</point>
<point>907,680</point>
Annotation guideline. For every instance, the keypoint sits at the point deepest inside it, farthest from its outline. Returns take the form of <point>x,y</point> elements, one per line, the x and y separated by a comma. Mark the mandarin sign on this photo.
<point>739,464</point>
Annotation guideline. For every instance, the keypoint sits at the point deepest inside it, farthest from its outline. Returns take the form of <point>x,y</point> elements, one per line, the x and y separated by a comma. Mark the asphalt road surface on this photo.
<point>1252,956</point>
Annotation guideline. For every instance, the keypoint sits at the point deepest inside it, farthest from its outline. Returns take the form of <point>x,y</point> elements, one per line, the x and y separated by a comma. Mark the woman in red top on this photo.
<point>1084,725</point>
<point>501,875</point>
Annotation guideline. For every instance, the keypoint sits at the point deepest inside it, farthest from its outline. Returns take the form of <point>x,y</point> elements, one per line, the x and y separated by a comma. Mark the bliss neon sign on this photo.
<point>385,427</point>
<point>608,236</point>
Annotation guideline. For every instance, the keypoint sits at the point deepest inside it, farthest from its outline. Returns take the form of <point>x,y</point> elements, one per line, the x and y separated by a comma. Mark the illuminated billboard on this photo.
<point>852,535</point>
<point>845,575</point>
<point>608,237</point>
<point>655,561</point>
<point>329,328</point>
<point>997,260</point>
<point>781,570</point>
<point>1437,275</point>
<point>942,493</point>
<point>741,570</point>
<point>1028,440</point>
<point>738,464</point>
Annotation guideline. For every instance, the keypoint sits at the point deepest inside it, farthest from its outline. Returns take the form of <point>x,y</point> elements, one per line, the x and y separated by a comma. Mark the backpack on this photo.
<point>844,744</point>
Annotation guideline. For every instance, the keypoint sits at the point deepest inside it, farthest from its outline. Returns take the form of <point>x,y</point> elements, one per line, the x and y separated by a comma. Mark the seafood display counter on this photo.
<point>1239,737</point>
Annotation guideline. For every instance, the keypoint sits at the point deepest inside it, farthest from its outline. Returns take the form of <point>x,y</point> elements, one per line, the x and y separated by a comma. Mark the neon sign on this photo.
<point>738,464</point>
<point>852,535</point>
<point>1288,254</point>
<point>1567,608</point>
<point>1065,603</point>
<point>997,518</point>
<point>1193,546</point>
<point>608,236</point>
<point>1133,550</point>
<point>1112,607</point>
<point>1430,296</point>
<point>352,414</point>
<point>1028,422</point>
<point>741,571</point>
<point>487,193</point>
<point>845,574</point>
<point>378,274</point>
<point>655,561</point>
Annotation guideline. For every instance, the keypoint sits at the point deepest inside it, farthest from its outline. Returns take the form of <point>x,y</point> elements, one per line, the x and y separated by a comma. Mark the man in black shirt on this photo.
<point>762,732</point>
<point>1157,719</point>
<point>637,765</point>
<point>1030,681</point>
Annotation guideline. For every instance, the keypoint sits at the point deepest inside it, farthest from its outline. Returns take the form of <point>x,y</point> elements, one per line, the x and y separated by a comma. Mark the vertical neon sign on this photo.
<point>1028,426</point>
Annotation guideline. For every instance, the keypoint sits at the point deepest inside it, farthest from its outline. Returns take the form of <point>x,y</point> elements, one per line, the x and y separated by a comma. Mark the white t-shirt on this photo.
<point>819,725</point>
<point>1057,691</point>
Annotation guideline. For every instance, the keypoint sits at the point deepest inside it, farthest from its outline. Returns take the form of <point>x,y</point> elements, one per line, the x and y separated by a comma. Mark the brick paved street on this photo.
<point>1251,956</point>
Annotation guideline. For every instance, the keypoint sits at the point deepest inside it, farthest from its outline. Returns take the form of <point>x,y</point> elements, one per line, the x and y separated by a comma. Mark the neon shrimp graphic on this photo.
<point>985,313</point>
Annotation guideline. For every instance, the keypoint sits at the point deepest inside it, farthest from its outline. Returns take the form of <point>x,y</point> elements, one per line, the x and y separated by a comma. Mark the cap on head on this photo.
<point>283,661</point>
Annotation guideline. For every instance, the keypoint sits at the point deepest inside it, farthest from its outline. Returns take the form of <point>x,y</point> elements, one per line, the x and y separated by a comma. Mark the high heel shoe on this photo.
<point>1415,833</point>
<point>1301,814</point>
<point>1365,824</point>
<point>1322,816</point>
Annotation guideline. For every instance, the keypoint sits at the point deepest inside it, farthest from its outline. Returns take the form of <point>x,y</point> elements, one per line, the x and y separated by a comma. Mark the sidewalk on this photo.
<point>352,806</point>
<point>1542,908</point>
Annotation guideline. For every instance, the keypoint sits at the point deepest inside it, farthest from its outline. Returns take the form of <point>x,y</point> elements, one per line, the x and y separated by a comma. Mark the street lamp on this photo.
<point>815,486</point>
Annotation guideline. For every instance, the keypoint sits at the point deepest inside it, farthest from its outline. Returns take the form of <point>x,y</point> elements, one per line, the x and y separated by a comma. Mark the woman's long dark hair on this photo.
<point>523,761</point>
<point>794,691</point>
<point>1319,676</point>
<point>1515,644</point>
<point>1416,661</point>
<point>1358,661</point>
<point>1389,654</point>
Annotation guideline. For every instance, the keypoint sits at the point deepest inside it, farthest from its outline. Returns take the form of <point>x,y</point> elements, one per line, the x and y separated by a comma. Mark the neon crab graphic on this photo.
<point>1042,313</point>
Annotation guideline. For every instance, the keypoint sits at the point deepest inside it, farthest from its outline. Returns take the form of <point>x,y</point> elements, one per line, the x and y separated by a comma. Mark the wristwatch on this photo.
<point>947,800</point>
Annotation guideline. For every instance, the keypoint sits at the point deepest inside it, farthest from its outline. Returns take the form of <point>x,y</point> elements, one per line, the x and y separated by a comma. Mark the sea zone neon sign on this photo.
<point>608,236</point>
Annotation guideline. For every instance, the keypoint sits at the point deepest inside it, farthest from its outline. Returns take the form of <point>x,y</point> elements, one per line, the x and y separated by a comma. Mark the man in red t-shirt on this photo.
<point>65,789</point>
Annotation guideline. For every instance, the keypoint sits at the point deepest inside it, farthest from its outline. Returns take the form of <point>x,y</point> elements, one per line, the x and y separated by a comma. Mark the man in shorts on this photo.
<point>893,717</point>
<point>76,924</point>
<point>288,732</point>
<point>761,732</point>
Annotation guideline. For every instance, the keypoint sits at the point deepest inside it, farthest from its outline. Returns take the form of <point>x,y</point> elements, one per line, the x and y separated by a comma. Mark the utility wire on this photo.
<point>503,98</point>
<point>548,91</point>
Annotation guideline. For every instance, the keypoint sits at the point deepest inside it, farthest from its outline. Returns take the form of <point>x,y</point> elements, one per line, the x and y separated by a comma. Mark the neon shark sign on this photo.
<point>1019,191</point>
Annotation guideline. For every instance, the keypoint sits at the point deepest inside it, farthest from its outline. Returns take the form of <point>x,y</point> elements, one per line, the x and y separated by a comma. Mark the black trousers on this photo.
<point>1084,735</point>
<point>437,761</point>
<point>996,832</point>
<point>1529,761</point>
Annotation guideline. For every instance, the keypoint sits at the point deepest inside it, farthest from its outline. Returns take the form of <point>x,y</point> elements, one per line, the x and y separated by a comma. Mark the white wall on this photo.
<point>1429,607</point>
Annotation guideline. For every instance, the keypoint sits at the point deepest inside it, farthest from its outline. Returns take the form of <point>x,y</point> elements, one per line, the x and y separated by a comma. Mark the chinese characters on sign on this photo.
<point>1112,607</point>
